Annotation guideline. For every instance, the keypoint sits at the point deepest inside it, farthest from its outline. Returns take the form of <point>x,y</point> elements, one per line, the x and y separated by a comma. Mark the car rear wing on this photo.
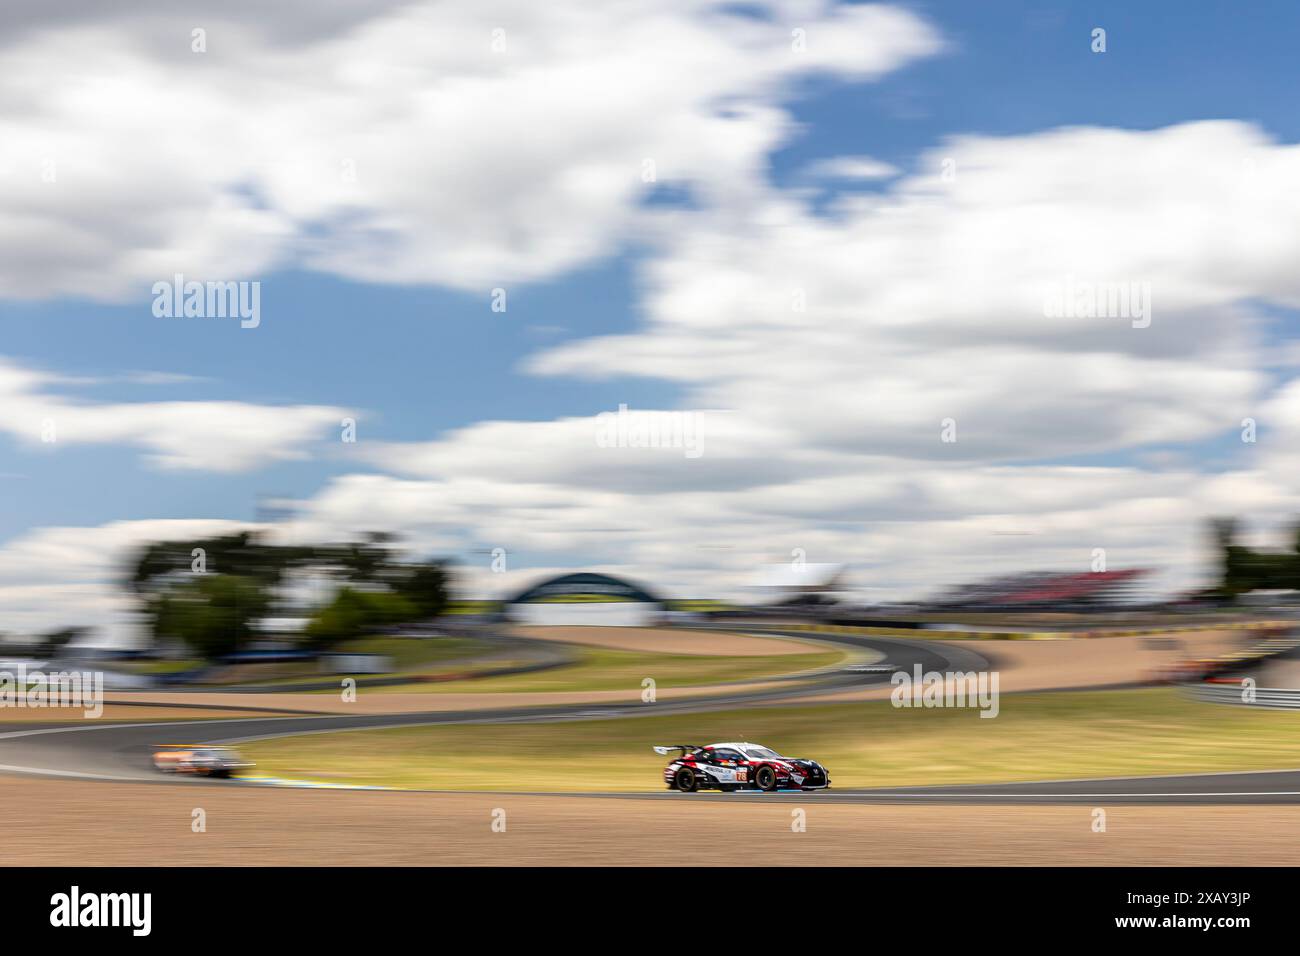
<point>684,748</point>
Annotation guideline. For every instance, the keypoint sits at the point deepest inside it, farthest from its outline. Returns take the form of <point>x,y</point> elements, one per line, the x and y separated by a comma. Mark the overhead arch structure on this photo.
<point>585,598</point>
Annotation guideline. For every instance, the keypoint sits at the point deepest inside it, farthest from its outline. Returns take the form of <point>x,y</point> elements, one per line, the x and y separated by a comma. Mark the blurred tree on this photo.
<point>352,613</point>
<point>425,586</point>
<point>341,619</point>
<point>369,561</point>
<point>1244,569</point>
<point>244,554</point>
<point>211,592</point>
<point>54,641</point>
<point>212,613</point>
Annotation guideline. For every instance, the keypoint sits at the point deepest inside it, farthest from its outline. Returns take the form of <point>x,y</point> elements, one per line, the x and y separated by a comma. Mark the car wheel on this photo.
<point>765,779</point>
<point>685,780</point>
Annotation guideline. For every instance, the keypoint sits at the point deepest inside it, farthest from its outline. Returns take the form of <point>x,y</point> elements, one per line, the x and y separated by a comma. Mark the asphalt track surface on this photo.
<point>122,751</point>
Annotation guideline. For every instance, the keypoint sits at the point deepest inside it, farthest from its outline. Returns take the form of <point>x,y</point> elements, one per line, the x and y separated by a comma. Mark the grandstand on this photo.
<point>1058,591</point>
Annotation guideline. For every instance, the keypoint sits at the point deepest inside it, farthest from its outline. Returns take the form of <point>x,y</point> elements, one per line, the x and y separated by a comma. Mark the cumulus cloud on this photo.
<point>434,142</point>
<point>218,436</point>
<point>837,346</point>
<point>863,330</point>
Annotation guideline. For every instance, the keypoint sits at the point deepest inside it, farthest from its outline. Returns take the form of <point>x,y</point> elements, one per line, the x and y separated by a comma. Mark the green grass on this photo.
<point>1035,737</point>
<point>473,607</point>
<point>409,655</point>
<point>158,667</point>
<point>600,669</point>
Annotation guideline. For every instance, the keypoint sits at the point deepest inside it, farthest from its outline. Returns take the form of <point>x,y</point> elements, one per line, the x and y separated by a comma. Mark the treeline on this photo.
<point>1244,569</point>
<point>213,593</point>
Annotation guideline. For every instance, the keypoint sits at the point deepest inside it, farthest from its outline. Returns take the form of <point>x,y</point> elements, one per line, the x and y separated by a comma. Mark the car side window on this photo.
<point>727,755</point>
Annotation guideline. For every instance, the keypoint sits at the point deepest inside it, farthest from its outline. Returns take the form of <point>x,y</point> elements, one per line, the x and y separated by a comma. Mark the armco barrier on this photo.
<point>1278,698</point>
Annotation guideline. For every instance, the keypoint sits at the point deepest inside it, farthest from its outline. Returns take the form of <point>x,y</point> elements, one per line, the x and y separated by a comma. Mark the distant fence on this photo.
<point>1279,698</point>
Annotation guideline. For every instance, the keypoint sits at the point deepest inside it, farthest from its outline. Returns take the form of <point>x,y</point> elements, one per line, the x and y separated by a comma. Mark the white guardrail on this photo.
<point>1274,697</point>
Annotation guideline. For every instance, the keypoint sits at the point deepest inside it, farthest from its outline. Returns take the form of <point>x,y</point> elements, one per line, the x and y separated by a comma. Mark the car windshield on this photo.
<point>761,752</point>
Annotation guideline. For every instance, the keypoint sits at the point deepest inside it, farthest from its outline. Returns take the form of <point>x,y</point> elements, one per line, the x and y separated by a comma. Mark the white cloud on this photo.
<point>851,167</point>
<point>862,331</point>
<point>221,436</point>
<point>397,146</point>
<point>923,303</point>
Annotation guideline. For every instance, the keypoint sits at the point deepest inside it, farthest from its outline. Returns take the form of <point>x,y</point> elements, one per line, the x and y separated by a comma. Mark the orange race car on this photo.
<point>202,759</point>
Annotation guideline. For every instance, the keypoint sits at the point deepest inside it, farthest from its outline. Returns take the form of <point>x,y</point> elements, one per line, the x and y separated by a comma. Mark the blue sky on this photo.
<point>415,360</point>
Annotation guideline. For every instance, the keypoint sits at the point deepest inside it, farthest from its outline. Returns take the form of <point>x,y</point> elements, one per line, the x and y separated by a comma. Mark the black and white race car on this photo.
<point>739,766</point>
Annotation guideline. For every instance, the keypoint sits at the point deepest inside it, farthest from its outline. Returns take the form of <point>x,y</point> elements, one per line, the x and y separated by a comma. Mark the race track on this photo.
<point>121,751</point>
